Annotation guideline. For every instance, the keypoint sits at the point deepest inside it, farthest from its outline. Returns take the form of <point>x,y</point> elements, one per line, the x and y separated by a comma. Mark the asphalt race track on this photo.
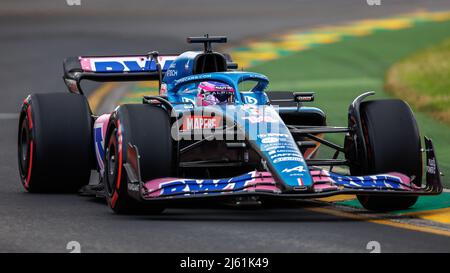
<point>35,36</point>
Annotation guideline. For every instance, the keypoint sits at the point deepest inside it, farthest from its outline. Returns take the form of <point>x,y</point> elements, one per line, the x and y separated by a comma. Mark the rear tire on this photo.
<point>147,127</point>
<point>393,145</point>
<point>55,148</point>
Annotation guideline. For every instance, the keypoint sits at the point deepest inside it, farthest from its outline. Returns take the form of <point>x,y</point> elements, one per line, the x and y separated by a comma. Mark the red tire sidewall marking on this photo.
<point>114,199</point>
<point>119,167</point>
<point>31,147</point>
<point>30,120</point>
<point>30,166</point>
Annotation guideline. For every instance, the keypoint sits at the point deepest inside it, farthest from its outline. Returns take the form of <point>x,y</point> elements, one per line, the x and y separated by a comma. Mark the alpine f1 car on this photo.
<point>214,133</point>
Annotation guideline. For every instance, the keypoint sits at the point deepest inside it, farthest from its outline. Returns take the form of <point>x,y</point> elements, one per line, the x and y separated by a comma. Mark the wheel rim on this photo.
<point>24,149</point>
<point>111,166</point>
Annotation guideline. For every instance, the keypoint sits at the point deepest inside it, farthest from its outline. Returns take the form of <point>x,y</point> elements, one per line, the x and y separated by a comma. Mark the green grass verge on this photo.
<point>341,71</point>
<point>423,79</point>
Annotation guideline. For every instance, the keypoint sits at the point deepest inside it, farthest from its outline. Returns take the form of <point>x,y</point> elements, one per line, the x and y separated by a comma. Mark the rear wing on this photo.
<point>149,67</point>
<point>120,68</point>
<point>114,68</point>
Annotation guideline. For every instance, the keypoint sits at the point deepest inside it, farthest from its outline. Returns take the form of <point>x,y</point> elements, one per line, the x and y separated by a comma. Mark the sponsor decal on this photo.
<point>299,168</point>
<point>278,154</point>
<point>181,186</point>
<point>123,64</point>
<point>201,122</point>
<point>269,140</point>
<point>250,100</point>
<point>304,97</point>
<point>257,119</point>
<point>171,73</point>
<point>190,100</point>
<point>193,78</point>
<point>272,147</point>
<point>282,159</point>
<point>389,181</point>
<point>100,126</point>
<point>272,135</point>
<point>194,185</point>
<point>99,144</point>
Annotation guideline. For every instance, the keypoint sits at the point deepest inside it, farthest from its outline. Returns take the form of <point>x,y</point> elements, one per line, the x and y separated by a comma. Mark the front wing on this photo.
<point>263,184</point>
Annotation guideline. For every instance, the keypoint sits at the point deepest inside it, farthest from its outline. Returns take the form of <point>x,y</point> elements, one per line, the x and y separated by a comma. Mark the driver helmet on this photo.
<point>214,93</point>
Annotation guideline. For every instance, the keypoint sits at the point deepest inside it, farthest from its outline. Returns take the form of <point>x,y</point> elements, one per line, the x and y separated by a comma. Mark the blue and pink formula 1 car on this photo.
<point>214,133</point>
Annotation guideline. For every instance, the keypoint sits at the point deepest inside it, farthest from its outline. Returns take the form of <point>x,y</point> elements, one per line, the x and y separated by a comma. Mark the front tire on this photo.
<point>147,127</point>
<point>393,145</point>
